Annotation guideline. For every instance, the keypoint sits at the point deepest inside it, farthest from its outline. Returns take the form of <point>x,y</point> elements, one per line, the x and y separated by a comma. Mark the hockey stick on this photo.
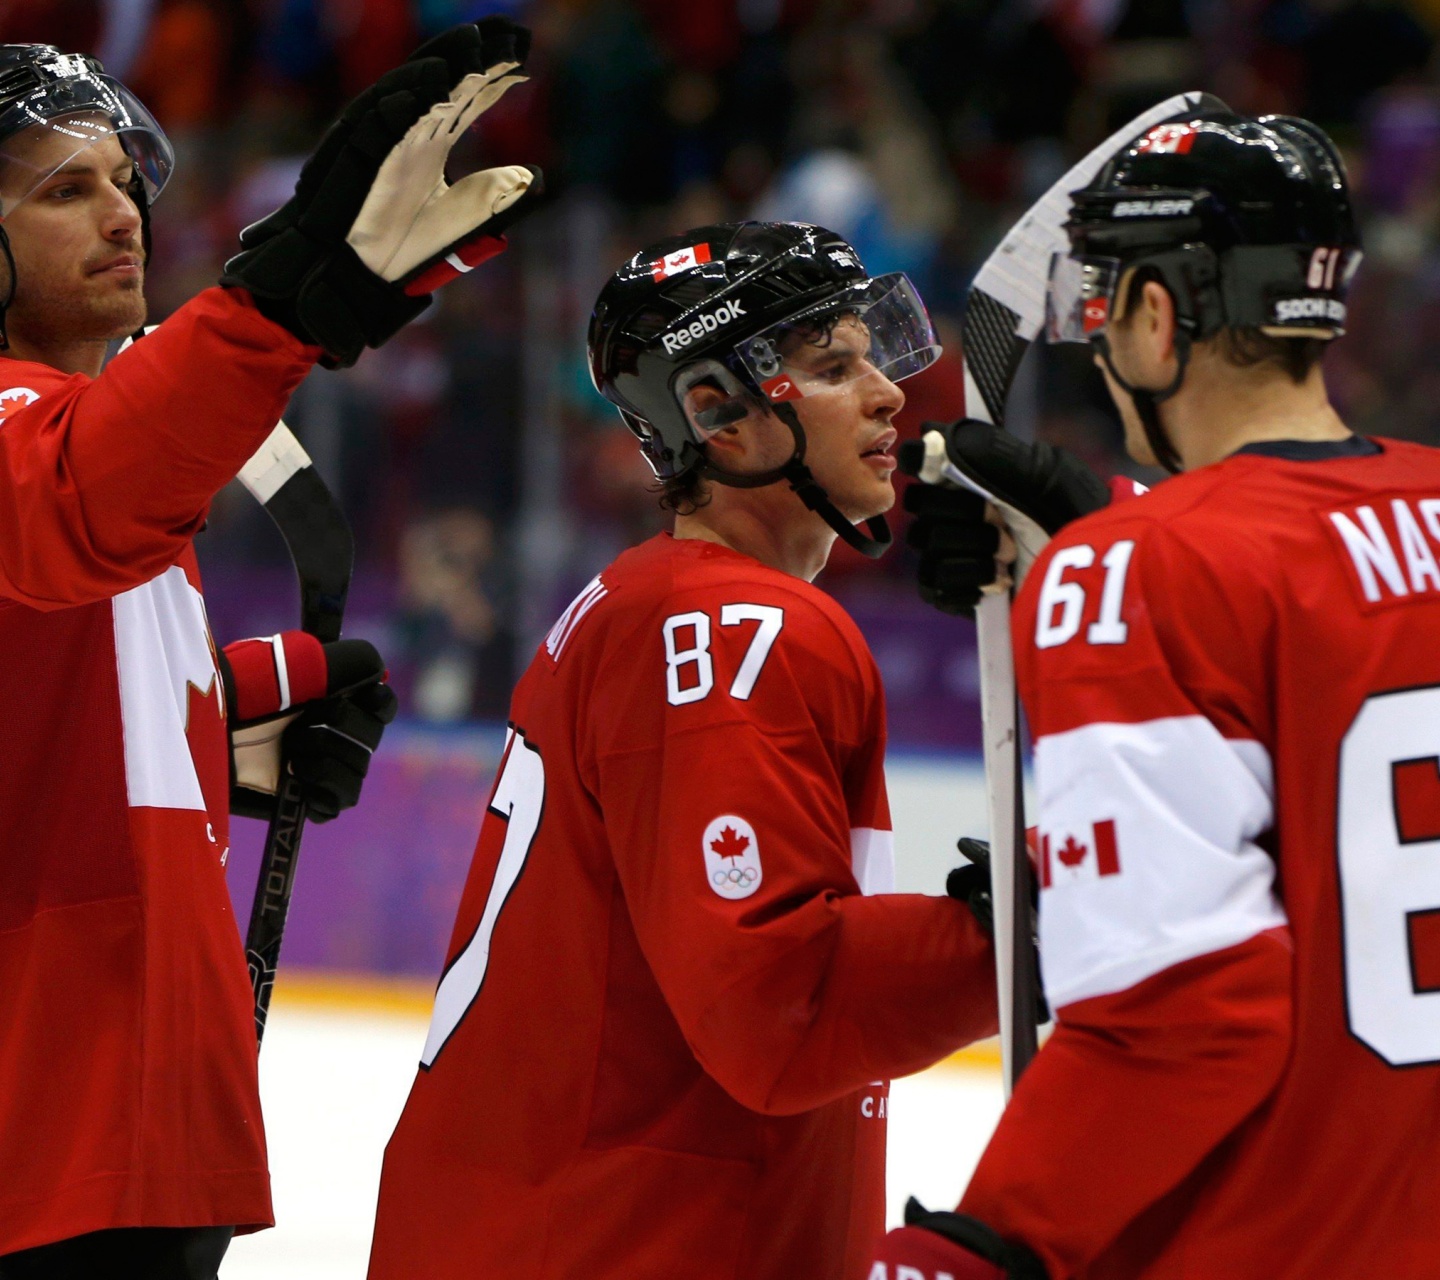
<point>284,481</point>
<point>1004,312</point>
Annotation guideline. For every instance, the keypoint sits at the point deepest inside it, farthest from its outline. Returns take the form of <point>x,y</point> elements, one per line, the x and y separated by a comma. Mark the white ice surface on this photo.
<point>333,1083</point>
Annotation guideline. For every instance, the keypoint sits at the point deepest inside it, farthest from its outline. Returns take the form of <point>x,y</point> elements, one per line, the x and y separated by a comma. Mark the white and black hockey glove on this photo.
<point>322,707</point>
<point>956,530</point>
<point>950,1246</point>
<point>373,227</point>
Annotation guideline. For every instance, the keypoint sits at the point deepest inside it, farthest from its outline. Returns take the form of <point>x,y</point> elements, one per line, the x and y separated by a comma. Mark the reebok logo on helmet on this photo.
<point>707,322</point>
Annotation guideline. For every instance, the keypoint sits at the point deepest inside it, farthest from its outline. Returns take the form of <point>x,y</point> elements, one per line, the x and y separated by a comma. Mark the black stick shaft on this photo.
<point>273,887</point>
<point>1024,1003</point>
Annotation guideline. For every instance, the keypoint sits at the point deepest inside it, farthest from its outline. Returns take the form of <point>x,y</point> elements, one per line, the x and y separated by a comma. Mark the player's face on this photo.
<point>1142,348</point>
<point>846,414</point>
<point>76,240</point>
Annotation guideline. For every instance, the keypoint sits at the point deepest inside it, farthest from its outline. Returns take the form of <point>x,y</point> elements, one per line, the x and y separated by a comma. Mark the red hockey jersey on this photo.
<point>128,1091</point>
<point>1234,688</point>
<point>676,988</point>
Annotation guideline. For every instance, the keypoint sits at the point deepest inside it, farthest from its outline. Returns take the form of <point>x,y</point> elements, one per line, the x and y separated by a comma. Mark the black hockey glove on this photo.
<point>329,746</point>
<point>932,1245</point>
<point>324,706</point>
<point>970,884</point>
<point>1048,487</point>
<point>372,228</point>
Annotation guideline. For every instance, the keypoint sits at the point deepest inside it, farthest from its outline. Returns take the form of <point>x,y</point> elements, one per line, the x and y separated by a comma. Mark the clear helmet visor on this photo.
<point>1080,299</point>
<point>43,131</point>
<point>875,328</point>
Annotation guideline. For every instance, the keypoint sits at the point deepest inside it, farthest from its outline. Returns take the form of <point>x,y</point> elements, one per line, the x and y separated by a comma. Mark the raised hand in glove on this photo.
<point>325,706</point>
<point>372,227</point>
<point>1034,490</point>
<point>934,1246</point>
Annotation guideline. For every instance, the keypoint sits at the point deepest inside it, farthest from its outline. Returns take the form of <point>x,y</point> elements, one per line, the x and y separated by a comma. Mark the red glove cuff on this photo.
<point>274,673</point>
<point>465,256</point>
<point>913,1253</point>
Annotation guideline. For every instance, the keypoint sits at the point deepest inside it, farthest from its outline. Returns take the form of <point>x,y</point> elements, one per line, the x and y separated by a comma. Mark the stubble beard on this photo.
<point>50,313</point>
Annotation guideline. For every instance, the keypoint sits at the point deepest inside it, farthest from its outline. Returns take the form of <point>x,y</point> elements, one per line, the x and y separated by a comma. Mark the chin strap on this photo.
<point>809,490</point>
<point>1147,402</point>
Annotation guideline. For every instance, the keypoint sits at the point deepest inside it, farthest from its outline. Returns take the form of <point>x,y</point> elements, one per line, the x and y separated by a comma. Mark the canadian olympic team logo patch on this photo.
<point>16,398</point>
<point>732,857</point>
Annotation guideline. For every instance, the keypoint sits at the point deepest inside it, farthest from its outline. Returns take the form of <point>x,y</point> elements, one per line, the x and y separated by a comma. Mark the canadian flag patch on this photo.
<point>732,857</point>
<point>672,264</point>
<point>1074,854</point>
<point>1168,139</point>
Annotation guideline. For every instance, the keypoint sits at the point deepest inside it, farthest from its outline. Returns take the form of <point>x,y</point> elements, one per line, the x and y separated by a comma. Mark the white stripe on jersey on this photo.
<point>162,648</point>
<point>872,858</point>
<point>1150,830</point>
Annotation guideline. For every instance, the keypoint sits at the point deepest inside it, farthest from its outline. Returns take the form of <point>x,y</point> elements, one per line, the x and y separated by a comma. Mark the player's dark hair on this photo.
<point>683,494</point>
<point>1246,348</point>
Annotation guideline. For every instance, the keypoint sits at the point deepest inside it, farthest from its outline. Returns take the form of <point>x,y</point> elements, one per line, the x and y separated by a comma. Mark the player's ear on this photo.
<point>1155,317</point>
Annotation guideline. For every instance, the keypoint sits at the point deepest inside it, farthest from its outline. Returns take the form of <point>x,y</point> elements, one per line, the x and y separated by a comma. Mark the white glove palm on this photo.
<point>413,219</point>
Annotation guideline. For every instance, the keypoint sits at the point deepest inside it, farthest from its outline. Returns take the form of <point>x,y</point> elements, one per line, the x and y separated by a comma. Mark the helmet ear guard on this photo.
<point>730,410</point>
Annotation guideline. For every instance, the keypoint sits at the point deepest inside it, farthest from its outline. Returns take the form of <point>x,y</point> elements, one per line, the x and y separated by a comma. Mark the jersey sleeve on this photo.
<point>739,767</point>
<point>1164,947</point>
<point>103,482</point>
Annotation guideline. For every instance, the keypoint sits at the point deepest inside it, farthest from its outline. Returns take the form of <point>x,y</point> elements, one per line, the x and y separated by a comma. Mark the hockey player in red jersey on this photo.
<point>130,1130</point>
<point>1234,690</point>
<point>677,987</point>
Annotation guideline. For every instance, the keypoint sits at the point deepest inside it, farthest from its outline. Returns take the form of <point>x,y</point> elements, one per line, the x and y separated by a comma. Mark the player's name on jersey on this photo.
<point>1392,545</point>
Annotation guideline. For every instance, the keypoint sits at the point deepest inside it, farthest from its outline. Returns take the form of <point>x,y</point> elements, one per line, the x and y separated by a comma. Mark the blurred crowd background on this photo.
<point>486,479</point>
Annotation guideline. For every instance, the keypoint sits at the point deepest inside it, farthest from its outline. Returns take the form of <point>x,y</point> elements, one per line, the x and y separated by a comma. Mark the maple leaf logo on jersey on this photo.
<point>732,857</point>
<point>730,845</point>
<point>1072,852</point>
<point>16,398</point>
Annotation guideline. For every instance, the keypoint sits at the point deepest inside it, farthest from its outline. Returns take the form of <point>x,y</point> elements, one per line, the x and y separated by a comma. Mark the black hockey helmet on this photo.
<point>70,96</point>
<point>1246,221</point>
<point>726,305</point>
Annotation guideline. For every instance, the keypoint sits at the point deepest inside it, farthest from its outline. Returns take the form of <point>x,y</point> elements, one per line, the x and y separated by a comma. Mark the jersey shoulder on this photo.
<point>666,576</point>
<point>677,636</point>
<point>23,382</point>
<point>1135,613</point>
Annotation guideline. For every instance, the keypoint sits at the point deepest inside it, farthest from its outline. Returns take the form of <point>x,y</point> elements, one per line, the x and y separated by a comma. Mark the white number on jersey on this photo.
<point>1062,603</point>
<point>1389,859</point>
<point>689,671</point>
<point>519,800</point>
